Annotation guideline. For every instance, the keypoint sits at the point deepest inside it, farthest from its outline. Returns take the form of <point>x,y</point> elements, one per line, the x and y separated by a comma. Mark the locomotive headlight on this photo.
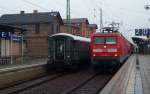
<point>116,55</point>
<point>97,50</point>
<point>94,55</point>
<point>112,50</point>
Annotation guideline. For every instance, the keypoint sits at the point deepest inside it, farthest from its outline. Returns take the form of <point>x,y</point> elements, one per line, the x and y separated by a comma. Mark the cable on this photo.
<point>59,3</point>
<point>9,10</point>
<point>35,5</point>
<point>121,8</point>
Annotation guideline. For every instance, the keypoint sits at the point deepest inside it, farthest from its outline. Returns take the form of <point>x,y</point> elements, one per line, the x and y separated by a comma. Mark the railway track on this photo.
<point>93,85</point>
<point>82,82</point>
<point>29,84</point>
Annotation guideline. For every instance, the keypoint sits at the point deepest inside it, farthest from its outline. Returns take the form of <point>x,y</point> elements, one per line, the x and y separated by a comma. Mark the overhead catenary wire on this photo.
<point>58,2</point>
<point>35,5</point>
<point>91,5</point>
<point>106,5</point>
<point>7,9</point>
<point>115,10</point>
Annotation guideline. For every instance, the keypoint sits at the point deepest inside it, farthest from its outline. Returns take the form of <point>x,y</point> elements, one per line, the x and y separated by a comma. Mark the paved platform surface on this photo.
<point>30,63</point>
<point>139,81</point>
<point>144,61</point>
<point>132,78</point>
<point>121,82</point>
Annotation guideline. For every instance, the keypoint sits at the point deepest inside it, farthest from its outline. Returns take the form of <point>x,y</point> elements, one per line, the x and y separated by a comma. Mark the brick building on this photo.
<point>39,26</point>
<point>92,28</point>
<point>75,30</point>
<point>82,23</point>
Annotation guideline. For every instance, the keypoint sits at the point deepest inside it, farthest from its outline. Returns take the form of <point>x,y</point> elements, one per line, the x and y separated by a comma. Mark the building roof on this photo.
<point>139,41</point>
<point>93,26</point>
<point>71,25</point>
<point>76,20</point>
<point>6,28</point>
<point>26,18</point>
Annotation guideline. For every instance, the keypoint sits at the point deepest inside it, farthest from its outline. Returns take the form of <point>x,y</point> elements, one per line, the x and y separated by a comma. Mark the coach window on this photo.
<point>99,40</point>
<point>110,40</point>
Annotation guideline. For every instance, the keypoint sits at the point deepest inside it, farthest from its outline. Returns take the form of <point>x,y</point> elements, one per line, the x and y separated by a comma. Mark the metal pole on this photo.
<point>101,19</point>
<point>68,16</point>
<point>22,48</point>
<point>11,53</point>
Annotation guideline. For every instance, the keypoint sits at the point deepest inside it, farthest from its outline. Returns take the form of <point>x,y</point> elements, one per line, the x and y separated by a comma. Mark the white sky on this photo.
<point>130,13</point>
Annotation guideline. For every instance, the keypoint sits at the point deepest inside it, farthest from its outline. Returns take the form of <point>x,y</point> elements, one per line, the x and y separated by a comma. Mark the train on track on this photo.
<point>109,49</point>
<point>67,50</point>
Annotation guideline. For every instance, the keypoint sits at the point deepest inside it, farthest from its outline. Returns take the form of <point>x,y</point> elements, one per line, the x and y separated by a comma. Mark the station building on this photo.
<point>11,44</point>
<point>39,26</point>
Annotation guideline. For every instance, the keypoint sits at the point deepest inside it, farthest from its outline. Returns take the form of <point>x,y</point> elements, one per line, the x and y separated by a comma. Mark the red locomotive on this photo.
<point>109,49</point>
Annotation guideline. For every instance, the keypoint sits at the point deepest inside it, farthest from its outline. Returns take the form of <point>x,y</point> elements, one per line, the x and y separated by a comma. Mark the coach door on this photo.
<point>59,49</point>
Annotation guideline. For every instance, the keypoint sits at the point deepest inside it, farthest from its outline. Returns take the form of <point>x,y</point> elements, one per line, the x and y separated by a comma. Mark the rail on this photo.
<point>20,74</point>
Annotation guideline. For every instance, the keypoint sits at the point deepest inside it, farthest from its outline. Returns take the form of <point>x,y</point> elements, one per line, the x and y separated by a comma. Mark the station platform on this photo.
<point>139,81</point>
<point>132,78</point>
<point>31,63</point>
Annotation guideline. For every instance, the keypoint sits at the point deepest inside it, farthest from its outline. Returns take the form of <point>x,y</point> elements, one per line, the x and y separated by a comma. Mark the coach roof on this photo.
<point>72,36</point>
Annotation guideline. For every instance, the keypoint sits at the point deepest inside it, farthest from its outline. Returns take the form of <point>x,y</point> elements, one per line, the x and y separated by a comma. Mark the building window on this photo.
<point>91,29</point>
<point>37,28</point>
<point>58,29</point>
<point>52,28</point>
<point>24,26</point>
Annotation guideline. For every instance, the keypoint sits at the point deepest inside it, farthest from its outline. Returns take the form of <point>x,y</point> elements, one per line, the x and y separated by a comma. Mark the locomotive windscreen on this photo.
<point>104,40</point>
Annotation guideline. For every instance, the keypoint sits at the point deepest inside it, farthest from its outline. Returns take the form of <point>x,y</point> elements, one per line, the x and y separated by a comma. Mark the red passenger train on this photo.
<point>109,48</point>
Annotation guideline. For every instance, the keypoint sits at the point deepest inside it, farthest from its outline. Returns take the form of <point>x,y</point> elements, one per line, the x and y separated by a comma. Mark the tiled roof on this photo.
<point>25,18</point>
<point>76,20</point>
<point>93,26</point>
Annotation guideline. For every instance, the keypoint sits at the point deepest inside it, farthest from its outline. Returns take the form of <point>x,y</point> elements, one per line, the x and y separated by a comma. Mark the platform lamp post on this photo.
<point>22,47</point>
<point>11,48</point>
<point>147,7</point>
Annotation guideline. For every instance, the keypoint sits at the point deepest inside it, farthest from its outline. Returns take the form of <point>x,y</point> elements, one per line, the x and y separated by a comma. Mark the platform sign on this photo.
<point>5,35</point>
<point>9,36</point>
<point>142,32</point>
<point>16,38</point>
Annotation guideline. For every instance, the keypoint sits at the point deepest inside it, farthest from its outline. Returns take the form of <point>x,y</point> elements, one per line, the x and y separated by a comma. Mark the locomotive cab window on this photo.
<point>110,40</point>
<point>104,40</point>
<point>99,40</point>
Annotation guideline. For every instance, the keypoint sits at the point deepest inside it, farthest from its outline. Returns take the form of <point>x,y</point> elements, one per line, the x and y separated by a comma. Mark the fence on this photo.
<point>27,50</point>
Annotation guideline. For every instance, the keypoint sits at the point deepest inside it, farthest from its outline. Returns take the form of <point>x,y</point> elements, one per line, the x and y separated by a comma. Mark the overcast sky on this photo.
<point>130,13</point>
